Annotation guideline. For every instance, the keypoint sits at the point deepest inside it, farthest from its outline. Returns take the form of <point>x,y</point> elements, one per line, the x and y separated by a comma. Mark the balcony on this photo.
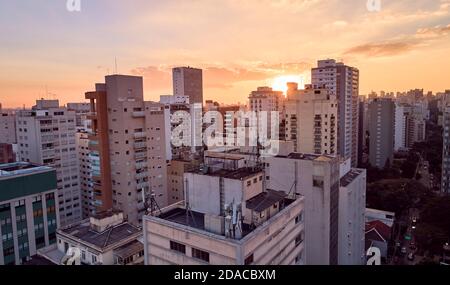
<point>140,145</point>
<point>138,114</point>
<point>140,155</point>
<point>141,165</point>
<point>142,185</point>
<point>140,135</point>
<point>141,175</point>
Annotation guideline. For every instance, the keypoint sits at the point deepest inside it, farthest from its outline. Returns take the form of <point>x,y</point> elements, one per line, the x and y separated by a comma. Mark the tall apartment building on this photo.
<point>382,132</point>
<point>188,81</point>
<point>7,127</point>
<point>400,127</point>
<point>362,130</point>
<point>445,187</point>
<point>415,126</point>
<point>81,111</point>
<point>46,135</point>
<point>29,213</point>
<point>311,120</point>
<point>86,186</point>
<point>352,221</point>
<point>316,178</point>
<point>127,147</point>
<point>229,218</point>
<point>265,99</point>
<point>343,82</point>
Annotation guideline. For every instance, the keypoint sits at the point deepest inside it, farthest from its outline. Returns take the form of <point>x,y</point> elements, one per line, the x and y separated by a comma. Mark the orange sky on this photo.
<point>239,44</point>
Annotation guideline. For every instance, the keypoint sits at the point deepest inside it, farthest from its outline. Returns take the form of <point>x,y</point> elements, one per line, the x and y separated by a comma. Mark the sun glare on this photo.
<point>280,83</point>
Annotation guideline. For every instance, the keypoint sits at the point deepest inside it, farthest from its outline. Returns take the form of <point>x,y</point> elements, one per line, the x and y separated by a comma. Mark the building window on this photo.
<point>299,239</point>
<point>94,259</point>
<point>299,218</point>
<point>249,260</point>
<point>200,254</point>
<point>178,247</point>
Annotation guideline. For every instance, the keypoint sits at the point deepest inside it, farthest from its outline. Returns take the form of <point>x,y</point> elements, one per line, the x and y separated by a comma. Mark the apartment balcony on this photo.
<point>141,165</point>
<point>138,114</point>
<point>142,185</point>
<point>140,155</point>
<point>140,145</point>
<point>141,175</point>
<point>140,135</point>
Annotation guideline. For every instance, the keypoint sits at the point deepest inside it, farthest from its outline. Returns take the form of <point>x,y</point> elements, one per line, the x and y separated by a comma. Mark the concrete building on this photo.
<point>352,205</point>
<point>445,187</point>
<point>311,120</point>
<point>86,186</point>
<point>228,218</point>
<point>127,147</point>
<point>382,132</point>
<point>81,111</point>
<point>28,210</point>
<point>7,127</point>
<point>188,81</point>
<point>46,136</point>
<point>316,178</point>
<point>343,82</point>
<point>7,154</point>
<point>400,128</point>
<point>103,239</point>
<point>387,218</point>
<point>362,130</point>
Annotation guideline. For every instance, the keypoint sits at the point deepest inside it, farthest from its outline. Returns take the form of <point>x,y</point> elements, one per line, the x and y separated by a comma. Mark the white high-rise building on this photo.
<point>400,128</point>
<point>46,135</point>
<point>316,178</point>
<point>445,187</point>
<point>7,127</point>
<point>343,82</point>
<point>311,120</point>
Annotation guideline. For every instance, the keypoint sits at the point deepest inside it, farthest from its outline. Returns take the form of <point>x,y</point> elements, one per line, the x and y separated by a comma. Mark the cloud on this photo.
<point>397,47</point>
<point>222,77</point>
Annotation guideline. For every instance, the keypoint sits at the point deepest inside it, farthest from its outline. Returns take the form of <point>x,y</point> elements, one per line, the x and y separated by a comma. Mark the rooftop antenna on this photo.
<point>187,205</point>
<point>115,65</point>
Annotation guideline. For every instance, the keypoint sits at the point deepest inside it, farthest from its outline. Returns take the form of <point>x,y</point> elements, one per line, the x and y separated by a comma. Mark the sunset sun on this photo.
<point>280,83</point>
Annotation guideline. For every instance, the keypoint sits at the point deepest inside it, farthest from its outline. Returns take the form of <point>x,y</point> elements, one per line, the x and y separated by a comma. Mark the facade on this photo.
<point>46,136</point>
<point>265,99</point>
<point>29,214</point>
<point>104,239</point>
<point>127,147</point>
<point>352,206</point>
<point>81,110</point>
<point>7,154</point>
<point>400,128</point>
<point>7,127</point>
<point>382,132</point>
<point>387,218</point>
<point>188,81</point>
<point>445,187</point>
<point>87,195</point>
<point>316,178</point>
<point>343,82</point>
<point>228,218</point>
<point>311,120</point>
<point>362,132</point>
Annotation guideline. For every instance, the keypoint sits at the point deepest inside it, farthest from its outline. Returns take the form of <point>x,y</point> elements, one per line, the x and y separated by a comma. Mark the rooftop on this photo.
<point>183,217</point>
<point>20,168</point>
<point>304,156</point>
<point>112,235</point>
<point>238,174</point>
<point>265,200</point>
<point>350,177</point>
<point>129,249</point>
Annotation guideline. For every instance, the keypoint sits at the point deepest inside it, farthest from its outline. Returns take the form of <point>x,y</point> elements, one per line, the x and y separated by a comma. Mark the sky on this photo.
<point>47,51</point>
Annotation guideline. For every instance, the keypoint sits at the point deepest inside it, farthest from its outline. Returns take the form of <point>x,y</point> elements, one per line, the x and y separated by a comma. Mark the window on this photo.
<point>299,218</point>
<point>249,260</point>
<point>299,239</point>
<point>200,254</point>
<point>249,183</point>
<point>178,247</point>
<point>94,259</point>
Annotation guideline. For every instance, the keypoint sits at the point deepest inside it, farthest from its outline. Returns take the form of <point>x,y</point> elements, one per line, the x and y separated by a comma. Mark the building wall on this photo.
<point>318,182</point>
<point>87,195</point>
<point>382,132</point>
<point>7,127</point>
<point>352,205</point>
<point>7,154</point>
<point>188,81</point>
<point>400,128</point>
<point>445,187</point>
<point>47,137</point>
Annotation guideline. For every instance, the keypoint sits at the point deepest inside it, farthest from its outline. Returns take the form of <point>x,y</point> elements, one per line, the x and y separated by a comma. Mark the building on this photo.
<point>352,206</point>
<point>103,239</point>
<point>228,218</point>
<point>378,235</point>
<point>316,178</point>
<point>311,120</point>
<point>382,132</point>
<point>46,136</point>
<point>400,128</point>
<point>127,147</point>
<point>387,218</point>
<point>29,212</point>
<point>81,112</point>
<point>343,82</point>
<point>188,81</point>
<point>445,187</point>
<point>7,154</point>
<point>362,130</point>
<point>7,127</point>
<point>86,186</point>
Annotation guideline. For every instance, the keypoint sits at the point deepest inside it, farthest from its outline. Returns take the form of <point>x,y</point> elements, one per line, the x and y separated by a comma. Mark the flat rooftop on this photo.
<point>304,156</point>
<point>183,217</point>
<point>265,200</point>
<point>237,174</point>
<point>20,168</point>
<point>350,177</point>
<point>108,237</point>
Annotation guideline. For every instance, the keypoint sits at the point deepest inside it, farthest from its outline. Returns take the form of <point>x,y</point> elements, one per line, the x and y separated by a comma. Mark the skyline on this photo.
<point>66,52</point>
